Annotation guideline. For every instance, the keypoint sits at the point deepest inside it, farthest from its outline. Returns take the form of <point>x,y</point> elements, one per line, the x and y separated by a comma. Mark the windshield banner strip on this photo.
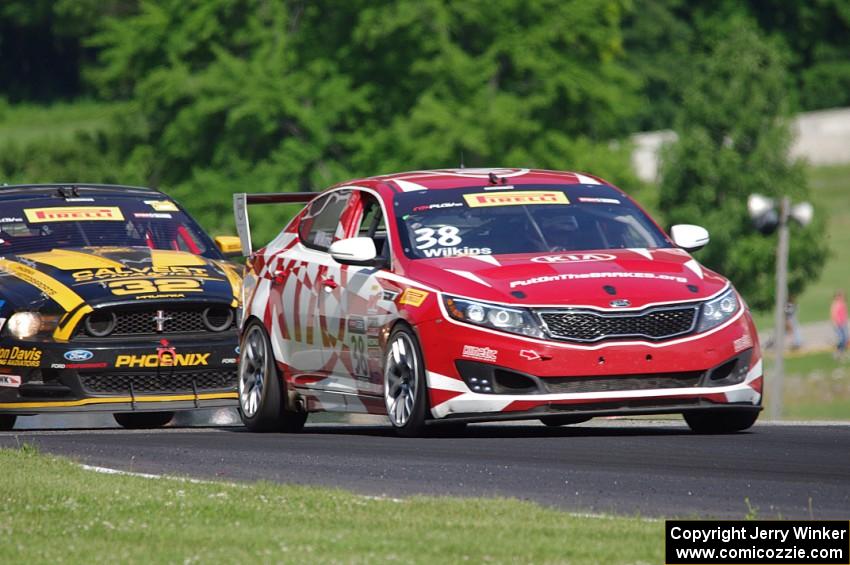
<point>73,214</point>
<point>516,198</point>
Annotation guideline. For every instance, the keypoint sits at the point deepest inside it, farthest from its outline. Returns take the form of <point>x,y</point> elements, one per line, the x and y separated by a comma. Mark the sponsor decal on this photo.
<point>436,206</point>
<point>742,343</point>
<point>356,325</point>
<point>620,303</point>
<point>456,251</point>
<point>85,365</point>
<point>165,357</point>
<point>529,354</point>
<point>57,365</point>
<point>79,199</point>
<point>10,220</point>
<point>515,198</point>
<point>481,353</point>
<point>390,295</point>
<point>153,215</point>
<point>413,297</point>
<point>73,214</point>
<point>20,357</point>
<point>107,273</point>
<point>78,355</point>
<point>572,277</point>
<point>13,381</point>
<point>573,258</point>
<point>229,361</point>
<point>595,200</point>
<point>159,296</point>
<point>162,205</point>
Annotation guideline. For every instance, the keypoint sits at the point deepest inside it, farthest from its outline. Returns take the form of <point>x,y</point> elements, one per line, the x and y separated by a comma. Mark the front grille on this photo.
<point>145,382</point>
<point>117,322</point>
<point>562,385</point>
<point>584,325</point>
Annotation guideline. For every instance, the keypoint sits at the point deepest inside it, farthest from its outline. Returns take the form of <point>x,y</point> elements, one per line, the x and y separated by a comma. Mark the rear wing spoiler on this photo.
<point>241,201</point>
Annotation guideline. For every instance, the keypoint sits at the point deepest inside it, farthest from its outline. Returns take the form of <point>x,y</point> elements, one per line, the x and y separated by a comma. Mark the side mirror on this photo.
<point>689,237</point>
<point>229,245</point>
<point>355,251</point>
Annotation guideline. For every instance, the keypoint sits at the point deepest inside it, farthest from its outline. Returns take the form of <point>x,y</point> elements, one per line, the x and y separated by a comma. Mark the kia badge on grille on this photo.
<point>620,303</point>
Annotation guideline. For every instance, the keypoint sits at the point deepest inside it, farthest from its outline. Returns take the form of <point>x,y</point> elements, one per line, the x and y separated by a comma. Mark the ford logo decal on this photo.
<point>78,355</point>
<point>621,303</point>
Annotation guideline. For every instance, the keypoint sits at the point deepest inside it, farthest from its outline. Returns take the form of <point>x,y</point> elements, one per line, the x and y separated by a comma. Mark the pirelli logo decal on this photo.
<point>73,214</point>
<point>413,297</point>
<point>515,198</point>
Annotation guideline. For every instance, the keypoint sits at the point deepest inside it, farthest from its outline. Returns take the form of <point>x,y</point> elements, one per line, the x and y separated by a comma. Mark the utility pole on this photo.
<point>779,315</point>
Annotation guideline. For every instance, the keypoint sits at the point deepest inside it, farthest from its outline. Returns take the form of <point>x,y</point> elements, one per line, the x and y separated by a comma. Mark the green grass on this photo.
<point>816,387</point>
<point>54,511</point>
<point>830,192</point>
<point>24,123</point>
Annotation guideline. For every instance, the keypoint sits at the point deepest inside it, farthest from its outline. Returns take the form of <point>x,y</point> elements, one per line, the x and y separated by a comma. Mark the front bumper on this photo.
<point>118,376</point>
<point>597,380</point>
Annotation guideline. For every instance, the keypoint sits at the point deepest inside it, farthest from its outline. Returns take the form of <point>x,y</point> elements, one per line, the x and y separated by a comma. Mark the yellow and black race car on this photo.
<point>112,299</point>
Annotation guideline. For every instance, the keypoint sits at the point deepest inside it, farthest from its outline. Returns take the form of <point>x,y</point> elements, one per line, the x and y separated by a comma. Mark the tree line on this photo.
<point>223,96</point>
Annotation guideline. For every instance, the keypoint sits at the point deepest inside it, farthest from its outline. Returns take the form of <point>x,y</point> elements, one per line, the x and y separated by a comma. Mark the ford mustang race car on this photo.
<point>457,296</point>
<point>112,299</point>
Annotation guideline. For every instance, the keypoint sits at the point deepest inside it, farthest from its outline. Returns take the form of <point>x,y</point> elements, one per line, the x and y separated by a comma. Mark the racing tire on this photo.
<point>565,420</point>
<point>405,387</point>
<point>7,421</point>
<point>142,420</point>
<point>721,421</point>
<point>261,392</point>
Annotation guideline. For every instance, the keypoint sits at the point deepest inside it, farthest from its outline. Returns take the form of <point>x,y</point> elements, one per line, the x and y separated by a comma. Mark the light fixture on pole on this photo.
<point>767,218</point>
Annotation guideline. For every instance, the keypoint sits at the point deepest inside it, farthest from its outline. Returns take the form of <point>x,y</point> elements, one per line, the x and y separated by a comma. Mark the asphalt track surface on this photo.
<point>626,467</point>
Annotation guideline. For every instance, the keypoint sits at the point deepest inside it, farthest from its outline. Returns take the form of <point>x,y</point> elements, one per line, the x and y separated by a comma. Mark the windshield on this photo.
<point>527,219</point>
<point>44,223</point>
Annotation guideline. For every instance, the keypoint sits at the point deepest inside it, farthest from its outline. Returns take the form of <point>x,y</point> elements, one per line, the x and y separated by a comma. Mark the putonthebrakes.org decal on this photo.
<point>572,277</point>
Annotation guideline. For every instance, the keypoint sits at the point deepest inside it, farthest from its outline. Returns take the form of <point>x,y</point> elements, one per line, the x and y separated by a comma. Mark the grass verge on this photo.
<point>55,511</point>
<point>816,387</point>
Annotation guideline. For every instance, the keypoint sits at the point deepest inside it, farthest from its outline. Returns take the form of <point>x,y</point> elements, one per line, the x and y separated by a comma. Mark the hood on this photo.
<point>97,276</point>
<point>639,276</point>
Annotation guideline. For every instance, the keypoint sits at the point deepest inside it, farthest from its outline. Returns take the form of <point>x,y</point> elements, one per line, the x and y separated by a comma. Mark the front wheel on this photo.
<point>721,421</point>
<point>142,420</point>
<point>261,393</point>
<point>7,421</point>
<point>405,390</point>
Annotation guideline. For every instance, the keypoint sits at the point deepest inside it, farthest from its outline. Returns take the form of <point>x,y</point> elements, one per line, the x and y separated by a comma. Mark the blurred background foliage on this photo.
<point>203,98</point>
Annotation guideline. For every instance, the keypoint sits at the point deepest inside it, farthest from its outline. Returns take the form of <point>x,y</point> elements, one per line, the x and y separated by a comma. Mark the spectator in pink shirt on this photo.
<point>838,314</point>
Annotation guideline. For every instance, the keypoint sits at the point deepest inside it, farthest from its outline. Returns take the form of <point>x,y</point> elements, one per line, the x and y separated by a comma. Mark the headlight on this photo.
<point>715,312</point>
<point>503,318</point>
<point>27,324</point>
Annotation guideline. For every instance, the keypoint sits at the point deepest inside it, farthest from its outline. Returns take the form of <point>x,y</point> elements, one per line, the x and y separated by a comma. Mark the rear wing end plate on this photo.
<point>242,200</point>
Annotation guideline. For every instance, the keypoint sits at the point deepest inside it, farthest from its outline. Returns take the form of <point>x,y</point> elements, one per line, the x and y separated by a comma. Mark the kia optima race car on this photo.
<point>112,299</point>
<point>458,296</point>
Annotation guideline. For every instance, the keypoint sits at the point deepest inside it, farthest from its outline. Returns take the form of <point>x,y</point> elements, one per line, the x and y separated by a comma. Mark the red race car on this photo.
<point>455,296</point>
